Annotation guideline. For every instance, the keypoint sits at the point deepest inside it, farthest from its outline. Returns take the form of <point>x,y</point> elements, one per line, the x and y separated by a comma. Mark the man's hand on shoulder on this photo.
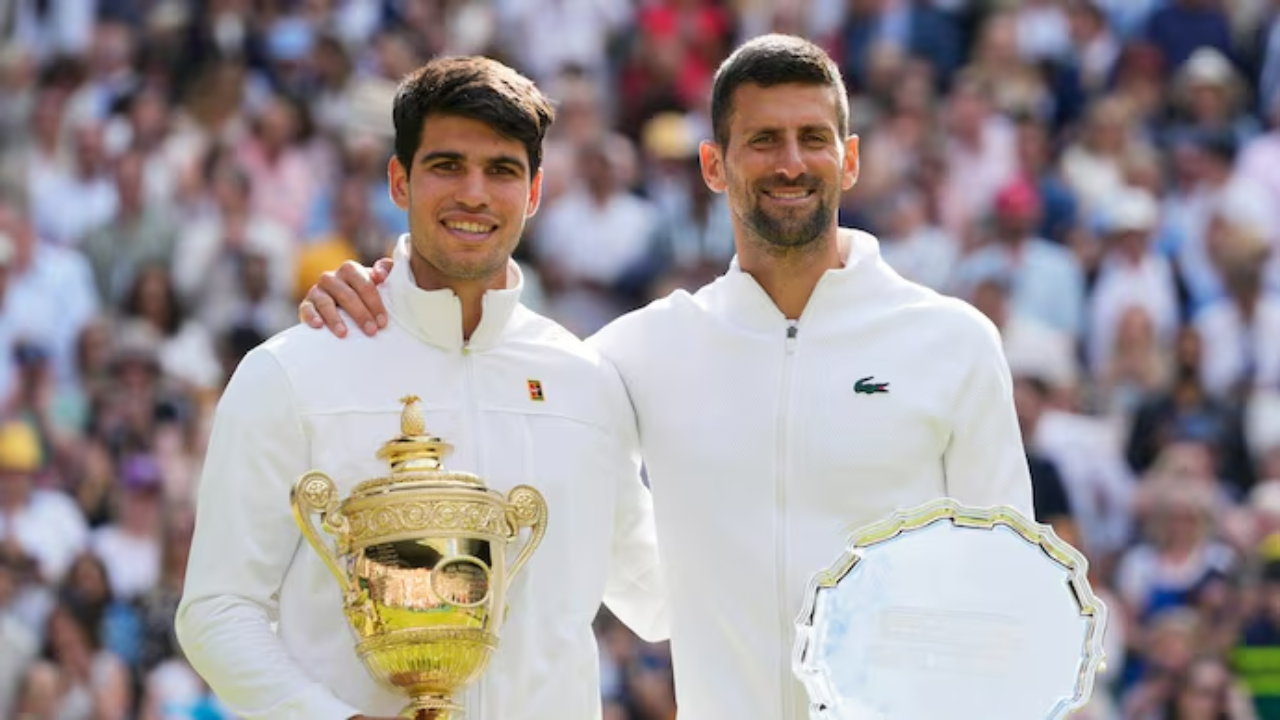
<point>353,288</point>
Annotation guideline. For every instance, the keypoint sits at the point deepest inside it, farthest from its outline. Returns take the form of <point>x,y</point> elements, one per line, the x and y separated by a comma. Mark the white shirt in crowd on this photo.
<point>132,562</point>
<point>1236,351</point>
<point>50,529</point>
<point>1148,284</point>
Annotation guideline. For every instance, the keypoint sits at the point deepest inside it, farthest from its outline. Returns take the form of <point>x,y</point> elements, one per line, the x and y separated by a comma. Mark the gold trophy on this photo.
<point>421,558</point>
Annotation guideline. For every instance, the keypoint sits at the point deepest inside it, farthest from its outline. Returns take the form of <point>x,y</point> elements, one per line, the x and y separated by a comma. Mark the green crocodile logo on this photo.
<point>867,386</point>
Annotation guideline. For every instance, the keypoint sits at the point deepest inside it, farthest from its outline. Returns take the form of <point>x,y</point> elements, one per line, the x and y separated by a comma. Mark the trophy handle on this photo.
<point>526,508</point>
<point>316,492</point>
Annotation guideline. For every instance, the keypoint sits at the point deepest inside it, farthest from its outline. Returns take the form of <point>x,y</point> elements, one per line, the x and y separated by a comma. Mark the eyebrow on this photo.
<point>811,128</point>
<point>496,160</point>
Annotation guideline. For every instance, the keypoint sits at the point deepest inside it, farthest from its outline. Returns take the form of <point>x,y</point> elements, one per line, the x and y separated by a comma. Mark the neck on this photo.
<point>971,137</point>
<point>470,292</point>
<point>272,151</point>
<point>600,195</point>
<point>789,275</point>
<point>1013,241</point>
<point>1178,551</point>
<point>140,529</point>
<point>1247,301</point>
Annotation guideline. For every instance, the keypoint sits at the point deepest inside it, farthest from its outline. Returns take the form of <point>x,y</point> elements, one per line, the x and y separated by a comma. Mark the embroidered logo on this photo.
<point>868,386</point>
<point>535,391</point>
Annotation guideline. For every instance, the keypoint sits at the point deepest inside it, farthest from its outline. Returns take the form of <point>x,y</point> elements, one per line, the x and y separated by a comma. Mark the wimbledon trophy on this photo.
<point>946,611</point>
<point>421,558</point>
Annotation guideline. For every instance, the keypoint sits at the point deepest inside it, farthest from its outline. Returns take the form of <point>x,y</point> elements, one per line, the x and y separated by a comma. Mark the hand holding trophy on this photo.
<point>421,557</point>
<point>951,611</point>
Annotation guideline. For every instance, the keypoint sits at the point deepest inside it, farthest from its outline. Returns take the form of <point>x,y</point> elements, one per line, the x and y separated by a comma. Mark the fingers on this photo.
<point>332,293</point>
<point>382,270</point>
<point>307,314</point>
<point>319,310</point>
<point>365,284</point>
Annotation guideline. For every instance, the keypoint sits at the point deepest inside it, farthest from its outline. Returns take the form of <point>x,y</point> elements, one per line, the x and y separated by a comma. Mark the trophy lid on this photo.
<point>418,455</point>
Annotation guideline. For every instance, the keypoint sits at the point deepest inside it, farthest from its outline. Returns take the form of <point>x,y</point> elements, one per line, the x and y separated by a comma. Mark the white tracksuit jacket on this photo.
<point>763,456</point>
<point>308,400</point>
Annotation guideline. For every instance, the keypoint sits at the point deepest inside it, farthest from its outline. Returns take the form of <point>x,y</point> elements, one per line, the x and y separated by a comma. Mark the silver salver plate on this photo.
<point>947,611</point>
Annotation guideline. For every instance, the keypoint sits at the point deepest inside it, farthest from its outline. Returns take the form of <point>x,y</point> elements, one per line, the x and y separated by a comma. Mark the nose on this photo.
<point>790,161</point>
<point>473,189</point>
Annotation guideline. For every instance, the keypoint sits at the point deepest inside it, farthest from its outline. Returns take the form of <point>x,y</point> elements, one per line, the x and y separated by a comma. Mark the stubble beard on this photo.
<point>794,233</point>
<point>484,266</point>
<point>478,269</point>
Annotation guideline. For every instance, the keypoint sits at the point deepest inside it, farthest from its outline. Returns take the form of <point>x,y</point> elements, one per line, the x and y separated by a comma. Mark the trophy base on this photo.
<point>431,707</point>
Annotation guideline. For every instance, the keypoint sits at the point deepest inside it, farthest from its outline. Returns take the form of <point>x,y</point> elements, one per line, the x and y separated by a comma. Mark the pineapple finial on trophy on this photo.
<point>415,450</point>
<point>412,423</point>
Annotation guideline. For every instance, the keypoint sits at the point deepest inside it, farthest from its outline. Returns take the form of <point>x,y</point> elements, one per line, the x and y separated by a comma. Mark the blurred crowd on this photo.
<point>1099,177</point>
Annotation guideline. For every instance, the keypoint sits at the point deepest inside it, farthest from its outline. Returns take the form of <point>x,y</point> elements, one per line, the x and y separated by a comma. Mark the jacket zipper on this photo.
<point>469,408</point>
<point>780,483</point>
<point>476,711</point>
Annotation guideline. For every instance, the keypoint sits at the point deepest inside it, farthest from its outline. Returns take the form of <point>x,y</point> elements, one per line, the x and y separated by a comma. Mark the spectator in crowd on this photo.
<point>1132,275</point>
<point>141,232</point>
<point>1048,284</point>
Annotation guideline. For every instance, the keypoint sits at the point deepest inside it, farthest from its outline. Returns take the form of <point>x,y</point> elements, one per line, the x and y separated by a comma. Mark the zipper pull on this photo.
<point>793,331</point>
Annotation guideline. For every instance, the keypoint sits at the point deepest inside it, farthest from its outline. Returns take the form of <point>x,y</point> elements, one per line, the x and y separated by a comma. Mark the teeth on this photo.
<point>470,227</point>
<point>790,195</point>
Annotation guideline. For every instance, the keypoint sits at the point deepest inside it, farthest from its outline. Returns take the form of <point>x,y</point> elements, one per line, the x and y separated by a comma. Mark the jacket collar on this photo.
<point>435,316</point>
<point>737,294</point>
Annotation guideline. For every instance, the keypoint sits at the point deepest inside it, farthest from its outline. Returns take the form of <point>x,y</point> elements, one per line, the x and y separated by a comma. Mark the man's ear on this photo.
<point>849,174</point>
<point>712,159</point>
<point>535,194</point>
<point>398,180</point>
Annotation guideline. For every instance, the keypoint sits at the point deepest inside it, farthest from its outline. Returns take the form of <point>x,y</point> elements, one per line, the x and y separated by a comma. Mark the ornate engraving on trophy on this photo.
<point>415,516</point>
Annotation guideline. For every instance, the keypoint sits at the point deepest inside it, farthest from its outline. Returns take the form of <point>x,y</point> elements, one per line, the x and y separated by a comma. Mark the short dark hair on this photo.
<point>476,88</point>
<point>769,60</point>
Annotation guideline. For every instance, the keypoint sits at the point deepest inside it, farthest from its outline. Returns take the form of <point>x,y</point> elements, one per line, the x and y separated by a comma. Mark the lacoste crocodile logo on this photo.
<point>867,386</point>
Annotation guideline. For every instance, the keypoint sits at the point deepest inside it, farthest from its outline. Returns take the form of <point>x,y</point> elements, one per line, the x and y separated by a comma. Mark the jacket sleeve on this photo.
<point>636,592</point>
<point>985,464</point>
<point>245,539</point>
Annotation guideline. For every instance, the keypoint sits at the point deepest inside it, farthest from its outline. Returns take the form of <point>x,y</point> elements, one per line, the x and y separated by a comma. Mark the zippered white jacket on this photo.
<point>307,400</point>
<point>767,442</point>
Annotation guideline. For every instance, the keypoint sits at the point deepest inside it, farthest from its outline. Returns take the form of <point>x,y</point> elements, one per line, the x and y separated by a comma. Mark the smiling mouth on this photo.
<point>788,194</point>
<point>470,229</point>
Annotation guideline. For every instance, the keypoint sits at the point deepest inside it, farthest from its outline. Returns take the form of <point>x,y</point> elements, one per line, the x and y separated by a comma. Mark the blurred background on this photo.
<point>1100,177</point>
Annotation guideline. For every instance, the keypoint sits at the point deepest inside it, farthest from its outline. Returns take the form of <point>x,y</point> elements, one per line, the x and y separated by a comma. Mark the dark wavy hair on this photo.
<point>472,87</point>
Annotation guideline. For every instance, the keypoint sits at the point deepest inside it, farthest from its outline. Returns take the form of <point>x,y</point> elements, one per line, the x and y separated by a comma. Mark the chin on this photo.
<point>475,268</point>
